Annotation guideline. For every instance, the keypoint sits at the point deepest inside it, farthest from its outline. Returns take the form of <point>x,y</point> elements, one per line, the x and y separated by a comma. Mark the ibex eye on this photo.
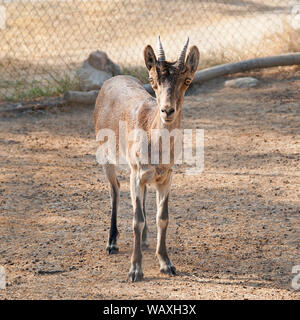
<point>187,81</point>
<point>151,80</point>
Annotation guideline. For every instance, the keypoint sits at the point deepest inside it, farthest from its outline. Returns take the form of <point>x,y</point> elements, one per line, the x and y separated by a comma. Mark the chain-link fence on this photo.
<point>43,42</point>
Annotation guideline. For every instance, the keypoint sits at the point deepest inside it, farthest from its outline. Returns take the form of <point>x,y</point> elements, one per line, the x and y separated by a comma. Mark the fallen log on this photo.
<point>89,97</point>
<point>84,97</point>
<point>149,88</point>
<point>32,105</point>
<point>246,65</point>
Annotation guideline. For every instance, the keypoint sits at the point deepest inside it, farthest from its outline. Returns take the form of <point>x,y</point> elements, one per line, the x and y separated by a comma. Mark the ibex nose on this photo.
<point>169,111</point>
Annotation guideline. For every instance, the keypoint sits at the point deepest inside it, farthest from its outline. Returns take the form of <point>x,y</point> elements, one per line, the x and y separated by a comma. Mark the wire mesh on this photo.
<point>43,42</point>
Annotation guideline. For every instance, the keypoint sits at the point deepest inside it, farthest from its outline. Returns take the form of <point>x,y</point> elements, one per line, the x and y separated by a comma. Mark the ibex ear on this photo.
<point>192,59</point>
<point>149,56</point>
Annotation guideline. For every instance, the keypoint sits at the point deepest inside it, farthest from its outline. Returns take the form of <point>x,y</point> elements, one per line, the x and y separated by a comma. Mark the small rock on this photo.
<point>246,82</point>
<point>91,78</point>
<point>95,70</point>
<point>100,61</point>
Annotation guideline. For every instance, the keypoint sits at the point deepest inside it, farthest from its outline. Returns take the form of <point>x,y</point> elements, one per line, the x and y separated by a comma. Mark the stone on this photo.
<point>95,70</point>
<point>91,78</point>
<point>100,61</point>
<point>245,82</point>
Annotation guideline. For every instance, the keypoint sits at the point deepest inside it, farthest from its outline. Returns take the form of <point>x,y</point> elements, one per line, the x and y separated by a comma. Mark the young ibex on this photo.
<point>123,98</point>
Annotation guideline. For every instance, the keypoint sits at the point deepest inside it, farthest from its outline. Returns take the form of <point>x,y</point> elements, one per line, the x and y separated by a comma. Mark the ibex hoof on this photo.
<point>135,274</point>
<point>169,269</point>
<point>112,249</point>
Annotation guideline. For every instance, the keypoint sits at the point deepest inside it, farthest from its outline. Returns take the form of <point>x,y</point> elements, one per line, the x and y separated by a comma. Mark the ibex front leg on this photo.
<point>137,194</point>
<point>115,198</point>
<point>162,220</point>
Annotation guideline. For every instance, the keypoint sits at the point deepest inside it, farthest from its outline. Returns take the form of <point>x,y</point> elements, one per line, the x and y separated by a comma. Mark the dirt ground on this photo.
<point>234,229</point>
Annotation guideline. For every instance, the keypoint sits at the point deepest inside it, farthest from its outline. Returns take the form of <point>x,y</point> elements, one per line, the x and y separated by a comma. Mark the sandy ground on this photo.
<point>234,230</point>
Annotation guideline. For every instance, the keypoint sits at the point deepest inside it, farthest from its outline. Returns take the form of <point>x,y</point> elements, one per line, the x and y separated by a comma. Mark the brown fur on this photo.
<point>123,98</point>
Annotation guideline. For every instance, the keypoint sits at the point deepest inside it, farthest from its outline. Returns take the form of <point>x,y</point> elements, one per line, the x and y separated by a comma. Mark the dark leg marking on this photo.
<point>113,233</point>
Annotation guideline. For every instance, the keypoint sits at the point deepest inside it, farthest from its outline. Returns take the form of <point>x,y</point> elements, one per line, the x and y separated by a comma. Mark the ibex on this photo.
<point>123,98</point>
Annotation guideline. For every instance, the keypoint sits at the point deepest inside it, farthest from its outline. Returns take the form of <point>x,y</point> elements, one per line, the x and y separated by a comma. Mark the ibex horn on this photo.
<point>181,58</point>
<point>161,53</point>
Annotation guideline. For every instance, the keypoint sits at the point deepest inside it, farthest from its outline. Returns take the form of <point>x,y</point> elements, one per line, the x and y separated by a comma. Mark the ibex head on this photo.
<point>171,79</point>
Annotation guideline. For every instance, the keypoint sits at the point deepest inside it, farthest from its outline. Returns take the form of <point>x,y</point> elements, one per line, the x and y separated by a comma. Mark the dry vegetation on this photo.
<point>46,41</point>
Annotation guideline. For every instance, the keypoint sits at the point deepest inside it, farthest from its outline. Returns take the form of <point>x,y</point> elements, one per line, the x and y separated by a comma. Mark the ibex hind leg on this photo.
<point>115,198</point>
